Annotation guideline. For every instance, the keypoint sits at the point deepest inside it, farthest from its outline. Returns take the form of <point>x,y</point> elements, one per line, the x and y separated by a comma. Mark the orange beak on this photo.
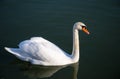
<point>86,31</point>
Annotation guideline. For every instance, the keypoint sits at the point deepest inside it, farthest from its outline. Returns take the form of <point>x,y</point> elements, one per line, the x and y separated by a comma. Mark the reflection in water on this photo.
<point>76,68</point>
<point>35,71</point>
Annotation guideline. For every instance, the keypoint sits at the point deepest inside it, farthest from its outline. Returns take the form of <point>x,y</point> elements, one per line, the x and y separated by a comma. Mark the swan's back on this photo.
<point>38,50</point>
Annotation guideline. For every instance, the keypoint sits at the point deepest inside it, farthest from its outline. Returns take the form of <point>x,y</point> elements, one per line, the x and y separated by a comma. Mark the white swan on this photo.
<point>40,51</point>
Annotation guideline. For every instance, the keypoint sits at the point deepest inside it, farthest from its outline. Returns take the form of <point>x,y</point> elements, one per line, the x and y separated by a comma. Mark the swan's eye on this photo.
<point>84,27</point>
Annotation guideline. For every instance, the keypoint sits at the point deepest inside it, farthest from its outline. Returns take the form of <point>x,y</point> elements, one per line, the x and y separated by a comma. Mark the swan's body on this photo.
<point>40,51</point>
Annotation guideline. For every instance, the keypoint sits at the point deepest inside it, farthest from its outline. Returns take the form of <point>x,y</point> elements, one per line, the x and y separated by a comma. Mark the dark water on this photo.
<point>53,20</point>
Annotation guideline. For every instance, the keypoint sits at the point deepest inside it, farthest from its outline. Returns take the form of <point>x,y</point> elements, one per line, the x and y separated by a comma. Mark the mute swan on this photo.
<point>40,51</point>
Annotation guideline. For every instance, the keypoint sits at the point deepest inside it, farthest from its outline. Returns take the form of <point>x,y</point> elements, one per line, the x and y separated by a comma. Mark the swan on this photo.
<point>39,51</point>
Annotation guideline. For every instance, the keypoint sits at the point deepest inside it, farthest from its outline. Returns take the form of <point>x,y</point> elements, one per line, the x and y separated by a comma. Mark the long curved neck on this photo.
<point>75,51</point>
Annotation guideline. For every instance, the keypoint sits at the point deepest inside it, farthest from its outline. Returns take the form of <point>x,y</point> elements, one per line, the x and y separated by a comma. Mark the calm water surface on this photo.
<point>53,20</point>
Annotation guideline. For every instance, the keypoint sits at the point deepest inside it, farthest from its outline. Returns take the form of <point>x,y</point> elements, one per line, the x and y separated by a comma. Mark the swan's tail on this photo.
<point>18,53</point>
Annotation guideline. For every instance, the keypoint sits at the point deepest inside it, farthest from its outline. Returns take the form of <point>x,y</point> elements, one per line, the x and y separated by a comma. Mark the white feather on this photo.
<point>40,51</point>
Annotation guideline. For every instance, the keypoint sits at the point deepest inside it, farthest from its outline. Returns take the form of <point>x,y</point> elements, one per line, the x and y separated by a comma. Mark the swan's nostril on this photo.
<point>85,30</point>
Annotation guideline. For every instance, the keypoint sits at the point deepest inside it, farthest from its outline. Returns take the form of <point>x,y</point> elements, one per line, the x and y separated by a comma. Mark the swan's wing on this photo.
<point>38,50</point>
<point>41,49</point>
<point>18,53</point>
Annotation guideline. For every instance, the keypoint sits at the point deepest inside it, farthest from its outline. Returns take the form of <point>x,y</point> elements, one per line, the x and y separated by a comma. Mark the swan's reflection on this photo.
<point>34,71</point>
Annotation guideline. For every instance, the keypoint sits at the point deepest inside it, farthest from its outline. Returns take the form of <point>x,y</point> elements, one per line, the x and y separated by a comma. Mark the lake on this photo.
<point>53,20</point>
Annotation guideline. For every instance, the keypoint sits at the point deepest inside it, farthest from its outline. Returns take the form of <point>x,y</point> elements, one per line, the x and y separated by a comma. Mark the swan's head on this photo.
<point>81,26</point>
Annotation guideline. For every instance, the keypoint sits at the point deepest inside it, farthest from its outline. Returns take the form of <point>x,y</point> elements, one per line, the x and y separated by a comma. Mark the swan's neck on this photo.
<point>75,51</point>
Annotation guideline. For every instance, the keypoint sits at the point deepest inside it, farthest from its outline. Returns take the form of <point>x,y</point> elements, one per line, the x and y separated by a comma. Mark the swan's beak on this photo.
<point>85,30</point>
